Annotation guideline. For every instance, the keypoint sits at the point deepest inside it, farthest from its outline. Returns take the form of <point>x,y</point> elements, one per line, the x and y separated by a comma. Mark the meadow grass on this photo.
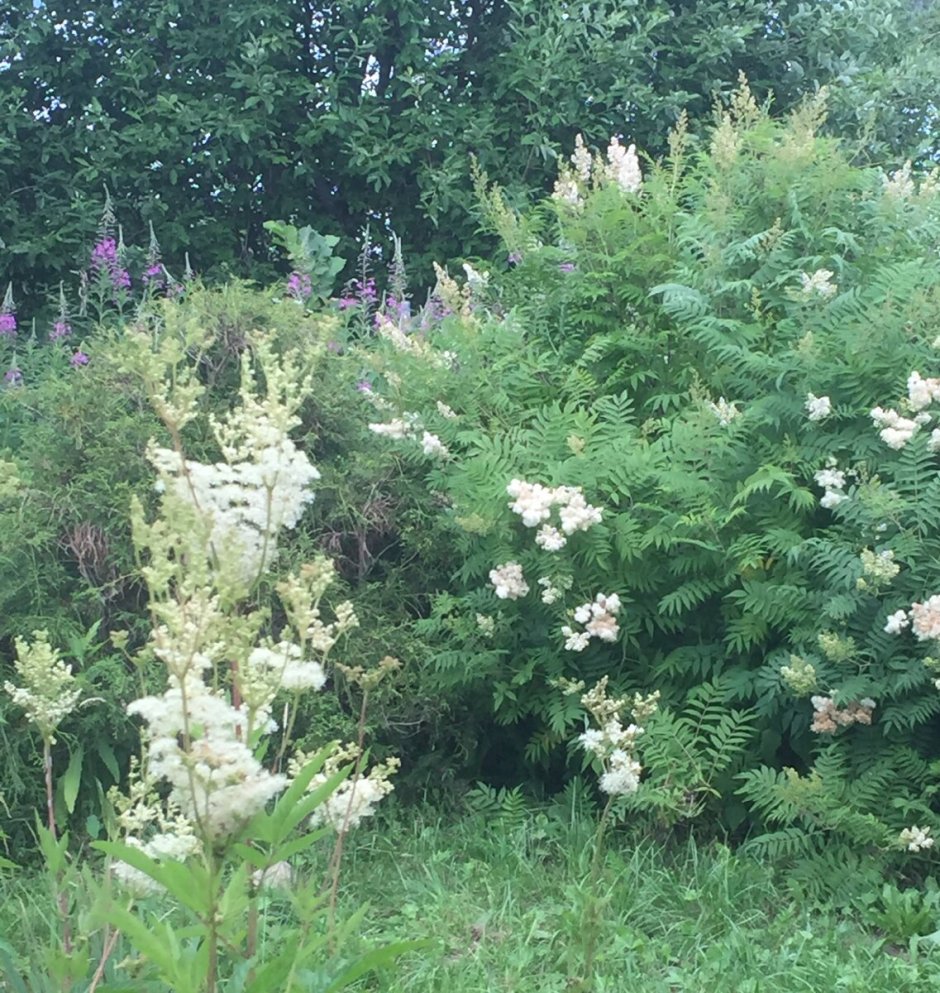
<point>501,904</point>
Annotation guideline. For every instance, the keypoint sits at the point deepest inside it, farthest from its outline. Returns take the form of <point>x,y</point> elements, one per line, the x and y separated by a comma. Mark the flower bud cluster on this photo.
<point>799,675</point>
<point>598,620</point>
<point>48,693</point>
<point>828,718</point>
<point>832,481</point>
<point>878,569</point>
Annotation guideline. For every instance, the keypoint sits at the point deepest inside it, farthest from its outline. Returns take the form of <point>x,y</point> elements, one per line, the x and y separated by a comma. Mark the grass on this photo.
<point>503,905</point>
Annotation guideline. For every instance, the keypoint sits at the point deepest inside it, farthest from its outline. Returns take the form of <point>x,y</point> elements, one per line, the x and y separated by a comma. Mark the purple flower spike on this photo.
<point>8,324</point>
<point>13,377</point>
<point>60,330</point>
<point>514,258</point>
<point>80,358</point>
<point>364,386</point>
<point>299,285</point>
<point>566,267</point>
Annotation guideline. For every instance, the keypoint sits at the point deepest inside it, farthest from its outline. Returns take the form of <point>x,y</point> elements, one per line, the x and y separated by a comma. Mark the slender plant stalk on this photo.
<point>61,896</point>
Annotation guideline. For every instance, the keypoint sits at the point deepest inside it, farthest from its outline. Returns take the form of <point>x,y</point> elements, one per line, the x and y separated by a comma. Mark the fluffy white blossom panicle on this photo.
<point>817,408</point>
<point>397,429</point>
<point>508,581</point>
<point>899,185</point>
<point>724,412</point>
<point>818,284</point>
<point>356,797</point>
<point>623,166</point>
<point>897,622</point>
<point>48,693</point>
<point>534,503</point>
<point>922,392</point>
<point>581,160</point>
<point>609,741</point>
<point>551,592</point>
<point>925,619</point>
<point>550,538</point>
<point>432,445</point>
<point>897,431</point>
<point>567,190</point>
<point>285,665</point>
<point>933,442</point>
<point>598,619</point>
<point>448,413</point>
<point>832,481</point>
<point>916,839</point>
<point>408,427</point>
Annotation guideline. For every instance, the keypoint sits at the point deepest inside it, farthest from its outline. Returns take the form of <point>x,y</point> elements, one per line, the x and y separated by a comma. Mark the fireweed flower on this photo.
<point>60,329</point>
<point>105,263</point>
<point>13,377</point>
<point>299,285</point>
<point>7,315</point>
<point>79,359</point>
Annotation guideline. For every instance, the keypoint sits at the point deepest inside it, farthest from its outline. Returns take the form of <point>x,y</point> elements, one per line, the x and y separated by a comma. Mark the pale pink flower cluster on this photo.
<point>925,619</point>
<point>832,481</point>
<point>598,620</point>
<point>817,408</point>
<point>534,503</point>
<point>916,839</point>
<point>508,581</point>
<point>828,718</point>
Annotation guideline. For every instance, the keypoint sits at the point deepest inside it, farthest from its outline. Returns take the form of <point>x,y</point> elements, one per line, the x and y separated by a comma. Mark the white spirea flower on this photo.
<point>916,839</point>
<point>577,514</point>
<point>724,412</point>
<point>446,412</point>
<point>897,622</point>
<point>922,392</point>
<point>48,694</point>
<point>396,429</point>
<point>832,481</point>
<point>567,191</point>
<point>581,160</point>
<point>818,284</point>
<point>550,538</point>
<point>508,581</point>
<point>432,445</point>
<point>623,166</point>
<point>575,641</point>
<point>896,431</point>
<point>925,618</point>
<point>817,408</point>
<point>623,776</point>
<point>899,185</point>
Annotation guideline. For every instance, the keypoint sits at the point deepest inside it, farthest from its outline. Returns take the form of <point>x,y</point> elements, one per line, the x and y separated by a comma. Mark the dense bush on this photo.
<point>700,353</point>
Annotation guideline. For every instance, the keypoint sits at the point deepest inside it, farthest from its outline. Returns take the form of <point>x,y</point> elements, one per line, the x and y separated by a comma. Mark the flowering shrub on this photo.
<point>702,356</point>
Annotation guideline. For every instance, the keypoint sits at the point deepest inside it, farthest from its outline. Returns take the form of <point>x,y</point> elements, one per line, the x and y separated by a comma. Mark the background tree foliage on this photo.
<point>208,118</point>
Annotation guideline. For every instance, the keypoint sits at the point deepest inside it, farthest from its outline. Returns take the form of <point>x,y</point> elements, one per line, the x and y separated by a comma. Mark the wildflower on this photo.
<point>575,641</point>
<point>897,622</point>
<point>598,618</point>
<point>623,166</point>
<point>896,431</point>
<point>279,876</point>
<point>486,624</point>
<point>828,718</point>
<point>799,675</point>
<point>581,159</point>
<point>60,329</point>
<point>432,445</point>
<point>922,392</point>
<point>508,581</point>
<point>13,376</point>
<point>299,285</point>
<point>566,267</point>
<point>7,315</point>
<point>48,694</point>
<point>724,411</point>
<point>550,538</point>
<point>899,185</point>
<point>445,411</point>
<point>817,408</point>
<point>80,358</point>
<point>832,481</point>
<point>550,592</point>
<point>818,284</point>
<point>925,618</point>
<point>877,569</point>
<point>357,796</point>
<point>916,839</point>
<point>105,262</point>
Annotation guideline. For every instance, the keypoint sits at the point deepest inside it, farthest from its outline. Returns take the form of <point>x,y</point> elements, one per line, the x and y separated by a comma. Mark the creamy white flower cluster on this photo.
<point>508,581</point>
<point>609,741</point>
<point>817,408</point>
<point>534,502</point>
<point>832,481</point>
<point>724,411</point>
<point>262,487</point>
<point>48,694</point>
<point>357,796</point>
<point>408,427</point>
<point>818,284</point>
<point>916,839</point>
<point>621,168</point>
<point>412,344</point>
<point>598,620</point>
<point>486,625</point>
<point>878,569</point>
<point>896,429</point>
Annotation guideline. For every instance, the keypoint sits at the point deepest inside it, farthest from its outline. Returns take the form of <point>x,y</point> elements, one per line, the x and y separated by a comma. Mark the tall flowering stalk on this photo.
<point>202,789</point>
